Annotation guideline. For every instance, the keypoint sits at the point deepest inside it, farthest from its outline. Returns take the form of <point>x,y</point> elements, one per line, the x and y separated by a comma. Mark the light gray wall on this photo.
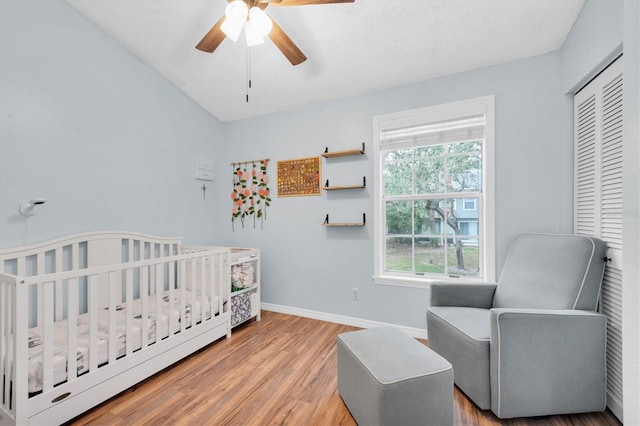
<point>312,267</point>
<point>87,125</point>
<point>605,29</point>
<point>594,41</point>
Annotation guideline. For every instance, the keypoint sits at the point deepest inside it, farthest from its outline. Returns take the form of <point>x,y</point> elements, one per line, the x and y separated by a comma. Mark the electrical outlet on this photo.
<point>354,296</point>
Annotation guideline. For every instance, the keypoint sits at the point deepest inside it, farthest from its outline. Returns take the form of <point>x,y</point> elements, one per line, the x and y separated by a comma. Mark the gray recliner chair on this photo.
<point>532,344</point>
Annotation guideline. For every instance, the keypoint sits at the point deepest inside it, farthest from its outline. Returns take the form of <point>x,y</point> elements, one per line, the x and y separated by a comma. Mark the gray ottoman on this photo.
<point>386,377</point>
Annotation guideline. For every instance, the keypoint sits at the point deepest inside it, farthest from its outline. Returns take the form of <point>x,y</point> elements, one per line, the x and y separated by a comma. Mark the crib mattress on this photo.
<point>192,313</point>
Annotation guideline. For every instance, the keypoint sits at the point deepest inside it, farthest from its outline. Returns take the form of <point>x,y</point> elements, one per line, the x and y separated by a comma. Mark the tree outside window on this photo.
<point>427,227</point>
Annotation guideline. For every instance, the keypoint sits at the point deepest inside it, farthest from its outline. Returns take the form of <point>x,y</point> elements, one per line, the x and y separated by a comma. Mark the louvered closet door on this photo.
<point>598,200</point>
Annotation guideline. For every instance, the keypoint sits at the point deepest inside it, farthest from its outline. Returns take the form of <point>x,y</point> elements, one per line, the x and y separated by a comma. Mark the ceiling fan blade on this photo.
<point>212,39</point>
<point>306,2</point>
<point>286,45</point>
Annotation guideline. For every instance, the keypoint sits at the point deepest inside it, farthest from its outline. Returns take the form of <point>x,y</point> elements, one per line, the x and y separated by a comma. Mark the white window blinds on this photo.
<point>458,130</point>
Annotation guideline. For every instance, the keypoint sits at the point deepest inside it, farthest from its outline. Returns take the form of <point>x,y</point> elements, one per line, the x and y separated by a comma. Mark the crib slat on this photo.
<point>192,286</point>
<point>72,320</point>
<point>20,349</point>
<point>11,343</point>
<point>219,279</point>
<point>158,286</point>
<point>5,335</point>
<point>92,307</point>
<point>213,291</point>
<point>203,288</point>
<point>39,295</point>
<point>152,274</point>
<point>59,286</point>
<point>129,309</point>
<point>3,324</point>
<point>144,296</point>
<point>215,278</point>
<point>183,291</point>
<point>211,283</point>
<point>113,283</point>
<point>223,287</point>
<point>171,305</point>
<point>47,336</point>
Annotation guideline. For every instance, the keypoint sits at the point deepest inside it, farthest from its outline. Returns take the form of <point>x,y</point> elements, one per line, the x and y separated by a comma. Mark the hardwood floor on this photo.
<point>280,370</point>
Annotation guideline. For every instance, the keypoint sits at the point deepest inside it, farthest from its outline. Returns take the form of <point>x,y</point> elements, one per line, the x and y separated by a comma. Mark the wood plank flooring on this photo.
<point>280,370</point>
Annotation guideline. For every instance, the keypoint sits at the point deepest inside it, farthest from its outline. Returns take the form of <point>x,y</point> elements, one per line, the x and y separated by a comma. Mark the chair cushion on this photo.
<point>461,335</point>
<point>545,271</point>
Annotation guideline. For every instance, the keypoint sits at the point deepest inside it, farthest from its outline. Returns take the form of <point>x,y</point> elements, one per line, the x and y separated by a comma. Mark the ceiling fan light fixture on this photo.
<point>257,27</point>
<point>252,35</point>
<point>260,21</point>
<point>235,17</point>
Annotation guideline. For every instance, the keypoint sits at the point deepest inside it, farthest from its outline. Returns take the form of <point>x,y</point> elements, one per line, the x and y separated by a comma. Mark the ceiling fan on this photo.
<point>249,15</point>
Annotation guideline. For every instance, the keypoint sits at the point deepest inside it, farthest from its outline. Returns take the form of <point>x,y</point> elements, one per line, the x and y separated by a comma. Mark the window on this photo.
<point>433,194</point>
<point>469,204</point>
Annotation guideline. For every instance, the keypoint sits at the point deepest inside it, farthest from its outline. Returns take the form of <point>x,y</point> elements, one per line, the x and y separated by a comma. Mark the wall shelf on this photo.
<point>344,224</point>
<point>327,154</point>
<point>327,187</point>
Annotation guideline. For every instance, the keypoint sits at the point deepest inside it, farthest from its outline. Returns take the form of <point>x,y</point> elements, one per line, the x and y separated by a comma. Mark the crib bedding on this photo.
<point>60,351</point>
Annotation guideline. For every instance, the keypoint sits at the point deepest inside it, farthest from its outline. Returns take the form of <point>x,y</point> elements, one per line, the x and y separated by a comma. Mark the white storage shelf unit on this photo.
<point>245,285</point>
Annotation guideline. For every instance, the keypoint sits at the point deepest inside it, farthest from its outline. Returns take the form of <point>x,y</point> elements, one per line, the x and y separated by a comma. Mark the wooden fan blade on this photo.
<point>213,38</point>
<point>306,2</point>
<point>286,45</point>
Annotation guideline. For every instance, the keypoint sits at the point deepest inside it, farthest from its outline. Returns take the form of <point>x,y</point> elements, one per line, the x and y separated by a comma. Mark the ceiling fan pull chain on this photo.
<point>248,71</point>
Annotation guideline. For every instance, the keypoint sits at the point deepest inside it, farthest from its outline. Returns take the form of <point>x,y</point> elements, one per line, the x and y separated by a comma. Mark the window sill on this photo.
<point>422,282</point>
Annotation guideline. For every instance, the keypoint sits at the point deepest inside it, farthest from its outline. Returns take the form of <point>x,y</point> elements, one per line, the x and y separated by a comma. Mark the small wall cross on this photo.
<point>204,190</point>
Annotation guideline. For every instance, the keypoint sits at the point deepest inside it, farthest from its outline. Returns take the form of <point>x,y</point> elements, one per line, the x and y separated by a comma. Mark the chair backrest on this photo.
<point>545,271</point>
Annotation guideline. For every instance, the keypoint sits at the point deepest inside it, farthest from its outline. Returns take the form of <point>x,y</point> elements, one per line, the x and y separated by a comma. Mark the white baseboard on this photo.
<point>341,319</point>
<point>614,405</point>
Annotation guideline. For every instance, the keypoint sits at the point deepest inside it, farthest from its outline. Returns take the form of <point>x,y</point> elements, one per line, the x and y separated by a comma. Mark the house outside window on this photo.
<point>433,194</point>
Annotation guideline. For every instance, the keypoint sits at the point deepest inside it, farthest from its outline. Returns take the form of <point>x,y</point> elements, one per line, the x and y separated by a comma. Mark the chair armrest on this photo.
<point>534,351</point>
<point>472,295</point>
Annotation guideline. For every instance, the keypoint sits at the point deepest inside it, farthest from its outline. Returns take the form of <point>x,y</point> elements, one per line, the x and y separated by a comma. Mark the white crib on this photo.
<point>87,316</point>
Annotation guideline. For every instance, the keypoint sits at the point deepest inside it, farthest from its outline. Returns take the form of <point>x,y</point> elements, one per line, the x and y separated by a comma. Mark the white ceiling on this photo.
<point>352,48</point>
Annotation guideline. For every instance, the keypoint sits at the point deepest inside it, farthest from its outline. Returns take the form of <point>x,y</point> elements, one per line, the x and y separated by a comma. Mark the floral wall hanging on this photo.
<point>250,193</point>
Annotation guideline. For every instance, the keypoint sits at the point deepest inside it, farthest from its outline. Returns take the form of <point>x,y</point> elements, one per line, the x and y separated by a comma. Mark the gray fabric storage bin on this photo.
<point>386,377</point>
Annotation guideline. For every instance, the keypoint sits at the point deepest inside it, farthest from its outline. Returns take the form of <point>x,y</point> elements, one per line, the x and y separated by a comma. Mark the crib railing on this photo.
<point>67,295</point>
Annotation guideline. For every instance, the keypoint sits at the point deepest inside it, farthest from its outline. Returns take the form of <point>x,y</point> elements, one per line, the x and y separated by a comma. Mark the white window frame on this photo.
<point>421,116</point>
